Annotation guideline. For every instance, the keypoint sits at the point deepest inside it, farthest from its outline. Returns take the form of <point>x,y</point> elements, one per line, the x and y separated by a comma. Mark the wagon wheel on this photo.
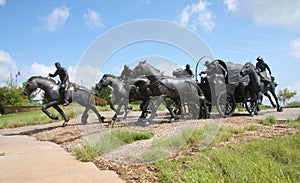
<point>226,104</point>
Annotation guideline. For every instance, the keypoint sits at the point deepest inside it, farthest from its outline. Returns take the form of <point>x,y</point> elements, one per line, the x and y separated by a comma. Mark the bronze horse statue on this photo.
<point>77,93</point>
<point>177,89</point>
<point>265,88</point>
<point>253,90</point>
<point>120,94</point>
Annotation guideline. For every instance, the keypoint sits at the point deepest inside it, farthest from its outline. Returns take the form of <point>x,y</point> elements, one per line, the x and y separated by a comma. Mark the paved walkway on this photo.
<point>23,159</point>
<point>287,114</point>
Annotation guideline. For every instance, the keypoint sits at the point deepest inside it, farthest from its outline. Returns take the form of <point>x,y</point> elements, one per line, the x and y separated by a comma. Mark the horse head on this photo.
<point>104,81</point>
<point>143,68</point>
<point>30,86</point>
<point>248,68</point>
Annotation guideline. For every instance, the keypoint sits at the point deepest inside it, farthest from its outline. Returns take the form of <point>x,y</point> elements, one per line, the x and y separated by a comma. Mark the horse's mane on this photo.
<point>110,75</point>
<point>249,63</point>
<point>41,77</point>
<point>148,65</point>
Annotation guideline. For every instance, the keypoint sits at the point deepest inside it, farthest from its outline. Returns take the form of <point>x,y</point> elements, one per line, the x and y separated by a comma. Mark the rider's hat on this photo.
<point>206,63</point>
<point>260,58</point>
<point>57,64</point>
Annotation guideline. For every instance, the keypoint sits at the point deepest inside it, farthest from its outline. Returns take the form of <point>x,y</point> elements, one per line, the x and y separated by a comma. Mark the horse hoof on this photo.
<point>279,109</point>
<point>119,113</point>
<point>112,122</point>
<point>147,123</point>
<point>64,124</point>
<point>101,119</point>
<point>171,120</point>
<point>54,117</point>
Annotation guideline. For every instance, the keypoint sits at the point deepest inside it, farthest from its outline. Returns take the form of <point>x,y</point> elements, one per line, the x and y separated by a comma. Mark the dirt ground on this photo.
<point>132,169</point>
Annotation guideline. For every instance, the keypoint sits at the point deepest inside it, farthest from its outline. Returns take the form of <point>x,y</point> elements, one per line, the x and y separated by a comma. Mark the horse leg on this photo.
<point>203,109</point>
<point>85,115</point>
<point>112,106</point>
<point>126,108</point>
<point>173,117</point>
<point>279,108</point>
<point>61,112</point>
<point>270,99</point>
<point>94,109</point>
<point>257,103</point>
<point>143,107</point>
<point>45,107</point>
<point>154,108</point>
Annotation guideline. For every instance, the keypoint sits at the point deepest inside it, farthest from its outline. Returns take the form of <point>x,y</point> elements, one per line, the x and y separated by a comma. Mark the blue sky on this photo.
<point>35,34</point>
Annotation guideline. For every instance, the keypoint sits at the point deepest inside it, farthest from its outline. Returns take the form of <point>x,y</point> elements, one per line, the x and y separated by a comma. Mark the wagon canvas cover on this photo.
<point>233,72</point>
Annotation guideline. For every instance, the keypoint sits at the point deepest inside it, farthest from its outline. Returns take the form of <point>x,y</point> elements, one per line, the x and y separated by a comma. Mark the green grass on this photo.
<point>264,160</point>
<point>210,135</point>
<point>294,123</point>
<point>251,127</point>
<point>268,121</point>
<point>36,117</point>
<point>165,147</point>
<point>293,104</point>
<point>108,142</point>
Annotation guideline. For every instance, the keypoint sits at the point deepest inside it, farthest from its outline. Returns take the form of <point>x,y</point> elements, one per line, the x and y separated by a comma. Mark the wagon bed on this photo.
<point>222,88</point>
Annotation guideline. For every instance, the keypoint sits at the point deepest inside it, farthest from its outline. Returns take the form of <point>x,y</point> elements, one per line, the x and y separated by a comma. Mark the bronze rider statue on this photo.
<point>188,70</point>
<point>64,78</point>
<point>126,73</point>
<point>261,67</point>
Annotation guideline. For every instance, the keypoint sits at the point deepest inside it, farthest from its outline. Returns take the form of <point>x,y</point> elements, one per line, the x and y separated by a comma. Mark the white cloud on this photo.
<point>231,4</point>
<point>7,66</point>
<point>57,18</point>
<point>2,2</point>
<point>92,18</point>
<point>85,75</point>
<point>295,48</point>
<point>197,15</point>
<point>269,12</point>
<point>37,69</point>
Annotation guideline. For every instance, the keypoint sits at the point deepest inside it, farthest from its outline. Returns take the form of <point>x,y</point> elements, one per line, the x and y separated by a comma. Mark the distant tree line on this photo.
<point>12,96</point>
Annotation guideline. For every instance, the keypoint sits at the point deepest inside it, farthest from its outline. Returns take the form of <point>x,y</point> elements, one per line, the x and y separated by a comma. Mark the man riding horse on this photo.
<point>64,78</point>
<point>261,67</point>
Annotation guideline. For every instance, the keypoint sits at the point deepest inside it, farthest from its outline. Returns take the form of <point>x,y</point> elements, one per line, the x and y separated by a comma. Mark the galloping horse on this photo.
<point>254,88</point>
<point>124,91</point>
<point>177,89</point>
<point>270,87</point>
<point>120,94</point>
<point>77,93</point>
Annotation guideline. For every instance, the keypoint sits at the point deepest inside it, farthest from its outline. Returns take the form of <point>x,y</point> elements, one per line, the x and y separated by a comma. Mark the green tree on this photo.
<point>11,96</point>
<point>285,95</point>
<point>104,93</point>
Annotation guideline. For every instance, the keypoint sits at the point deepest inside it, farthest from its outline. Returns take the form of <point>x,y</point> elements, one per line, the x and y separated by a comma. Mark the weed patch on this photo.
<point>108,142</point>
<point>269,121</point>
<point>264,160</point>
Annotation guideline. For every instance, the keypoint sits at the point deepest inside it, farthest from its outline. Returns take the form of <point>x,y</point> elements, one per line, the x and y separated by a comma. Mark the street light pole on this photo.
<point>18,74</point>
